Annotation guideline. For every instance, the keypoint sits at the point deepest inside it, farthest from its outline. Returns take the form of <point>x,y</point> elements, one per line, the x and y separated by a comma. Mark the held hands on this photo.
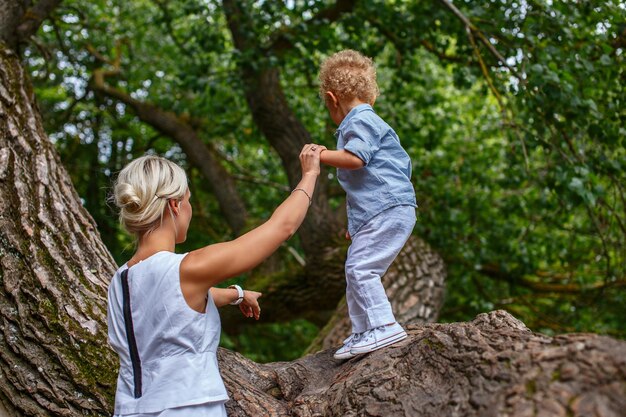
<point>310,158</point>
<point>250,305</point>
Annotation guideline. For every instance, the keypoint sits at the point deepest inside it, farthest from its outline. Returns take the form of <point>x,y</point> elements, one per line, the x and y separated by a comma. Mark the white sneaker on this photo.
<point>377,338</point>
<point>344,351</point>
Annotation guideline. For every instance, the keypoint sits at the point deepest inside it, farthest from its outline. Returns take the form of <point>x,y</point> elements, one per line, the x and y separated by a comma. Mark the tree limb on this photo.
<point>19,20</point>
<point>473,29</point>
<point>493,271</point>
<point>174,126</point>
<point>493,365</point>
<point>34,17</point>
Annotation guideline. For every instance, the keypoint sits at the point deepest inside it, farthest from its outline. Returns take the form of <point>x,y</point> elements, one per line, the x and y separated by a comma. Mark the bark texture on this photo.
<point>492,366</point>
<point>54,271</point>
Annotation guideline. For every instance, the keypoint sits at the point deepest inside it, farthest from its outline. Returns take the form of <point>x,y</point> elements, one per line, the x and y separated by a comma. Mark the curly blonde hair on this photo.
<point>348,74</point>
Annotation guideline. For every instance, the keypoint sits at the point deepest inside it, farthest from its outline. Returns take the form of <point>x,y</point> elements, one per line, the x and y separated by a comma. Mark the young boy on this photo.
<point>375,171</point>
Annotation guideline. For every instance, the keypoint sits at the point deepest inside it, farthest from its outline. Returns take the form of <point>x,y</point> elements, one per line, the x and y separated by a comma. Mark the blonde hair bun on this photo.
<point>142,190</point>
<point>126,197</point>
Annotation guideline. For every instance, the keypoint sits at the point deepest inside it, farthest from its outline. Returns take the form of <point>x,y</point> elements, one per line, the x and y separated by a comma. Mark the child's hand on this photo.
<point>321,149</point>
<point>250,304</point>
<point>348,237</point>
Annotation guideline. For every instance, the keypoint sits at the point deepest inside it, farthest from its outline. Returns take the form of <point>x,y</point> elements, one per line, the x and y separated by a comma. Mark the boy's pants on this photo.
<point>373,249</point>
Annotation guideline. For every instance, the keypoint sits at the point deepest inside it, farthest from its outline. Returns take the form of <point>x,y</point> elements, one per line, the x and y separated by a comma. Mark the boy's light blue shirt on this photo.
<point>385,180</point>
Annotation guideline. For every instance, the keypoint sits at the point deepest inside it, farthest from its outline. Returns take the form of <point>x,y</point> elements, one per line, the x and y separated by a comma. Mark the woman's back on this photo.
<point>176,345</point>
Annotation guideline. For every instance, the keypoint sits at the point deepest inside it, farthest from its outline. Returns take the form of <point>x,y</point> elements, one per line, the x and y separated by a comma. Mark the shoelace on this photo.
<point>354,339</point>
<point>371,332</point>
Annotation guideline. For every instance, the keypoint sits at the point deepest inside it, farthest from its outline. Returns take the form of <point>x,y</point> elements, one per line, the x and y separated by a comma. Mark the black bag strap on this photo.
<point>130,334</point>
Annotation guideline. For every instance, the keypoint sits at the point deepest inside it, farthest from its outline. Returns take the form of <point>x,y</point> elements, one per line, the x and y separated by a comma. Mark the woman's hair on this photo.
<point>349,75</point>
<point>142,190</point>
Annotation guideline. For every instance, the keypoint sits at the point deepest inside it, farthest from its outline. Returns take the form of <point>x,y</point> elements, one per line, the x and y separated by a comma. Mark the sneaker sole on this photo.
<point>381,344</point>
<point>342,356</point>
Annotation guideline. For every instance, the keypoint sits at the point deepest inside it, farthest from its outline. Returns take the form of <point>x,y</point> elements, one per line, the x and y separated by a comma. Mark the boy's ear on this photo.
<point>332,98</point>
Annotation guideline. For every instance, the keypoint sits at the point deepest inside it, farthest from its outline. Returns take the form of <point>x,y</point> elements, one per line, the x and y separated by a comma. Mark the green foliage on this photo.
<point>268,342</point>
<point>520,181</point>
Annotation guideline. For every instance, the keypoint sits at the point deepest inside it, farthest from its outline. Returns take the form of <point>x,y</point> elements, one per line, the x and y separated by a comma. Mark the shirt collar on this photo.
<point>351,113</point>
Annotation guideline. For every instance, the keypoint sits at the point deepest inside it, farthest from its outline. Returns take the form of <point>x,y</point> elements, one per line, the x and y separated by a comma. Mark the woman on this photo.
<point>162,315</point>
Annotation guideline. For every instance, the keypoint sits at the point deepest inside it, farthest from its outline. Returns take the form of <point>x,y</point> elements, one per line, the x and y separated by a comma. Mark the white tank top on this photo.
<point>176,346</point>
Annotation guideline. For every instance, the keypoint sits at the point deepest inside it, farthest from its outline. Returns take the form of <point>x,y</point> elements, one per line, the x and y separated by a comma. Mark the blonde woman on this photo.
<point>162,306</point>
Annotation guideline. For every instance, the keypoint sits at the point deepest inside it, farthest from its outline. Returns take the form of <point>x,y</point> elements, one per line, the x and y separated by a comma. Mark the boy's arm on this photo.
<point>341,159</point>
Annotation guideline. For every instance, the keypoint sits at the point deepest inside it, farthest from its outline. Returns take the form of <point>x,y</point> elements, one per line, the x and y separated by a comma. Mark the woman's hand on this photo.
<point>310,158</point>
<point>250,304</point>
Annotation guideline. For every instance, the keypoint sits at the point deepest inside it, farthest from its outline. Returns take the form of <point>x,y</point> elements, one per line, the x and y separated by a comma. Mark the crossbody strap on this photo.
<point>130,335</point>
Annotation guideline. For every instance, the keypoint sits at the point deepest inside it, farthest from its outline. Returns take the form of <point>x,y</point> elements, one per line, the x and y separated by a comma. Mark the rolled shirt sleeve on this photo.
<point>362,139</point>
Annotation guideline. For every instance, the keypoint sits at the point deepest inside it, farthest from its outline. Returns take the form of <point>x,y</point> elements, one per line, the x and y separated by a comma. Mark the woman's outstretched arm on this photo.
<point>208,266</point>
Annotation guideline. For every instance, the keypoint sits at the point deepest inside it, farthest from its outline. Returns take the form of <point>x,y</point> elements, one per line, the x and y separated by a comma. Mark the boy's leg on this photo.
<point>373,249</point>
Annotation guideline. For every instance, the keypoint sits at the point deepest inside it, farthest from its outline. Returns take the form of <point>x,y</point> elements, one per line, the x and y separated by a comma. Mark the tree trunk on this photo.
<point>54,271</point>
<point>492,366</point>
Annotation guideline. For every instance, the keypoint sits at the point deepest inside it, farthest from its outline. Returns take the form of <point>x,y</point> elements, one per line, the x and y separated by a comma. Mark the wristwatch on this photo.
<point>239,294</point>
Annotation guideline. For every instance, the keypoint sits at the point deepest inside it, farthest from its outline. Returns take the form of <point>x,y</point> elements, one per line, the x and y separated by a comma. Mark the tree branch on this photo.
<point>493,271</point>
<point>34,16</point>
<point>473,29</point>
<point>19,20</point>
<point>176,127</point>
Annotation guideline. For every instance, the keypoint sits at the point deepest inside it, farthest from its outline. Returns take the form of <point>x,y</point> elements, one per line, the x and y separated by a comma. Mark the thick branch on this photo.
<point>19,20</point>
<point>34,16</point>
<point>54,271</point>
<point>199,154</point>
<point>493,365</point>
<point>279,124</point>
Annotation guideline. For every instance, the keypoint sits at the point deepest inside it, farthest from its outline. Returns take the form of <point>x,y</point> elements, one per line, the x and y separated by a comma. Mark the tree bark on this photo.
<point>54,271</point>
<point>492,366</point>
<point>20,19</point>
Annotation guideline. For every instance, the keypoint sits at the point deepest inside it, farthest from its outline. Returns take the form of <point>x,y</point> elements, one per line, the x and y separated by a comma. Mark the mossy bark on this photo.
<point>54,271</point>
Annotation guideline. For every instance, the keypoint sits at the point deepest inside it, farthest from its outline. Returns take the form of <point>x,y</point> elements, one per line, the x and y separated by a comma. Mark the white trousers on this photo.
<point>373,249</point>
